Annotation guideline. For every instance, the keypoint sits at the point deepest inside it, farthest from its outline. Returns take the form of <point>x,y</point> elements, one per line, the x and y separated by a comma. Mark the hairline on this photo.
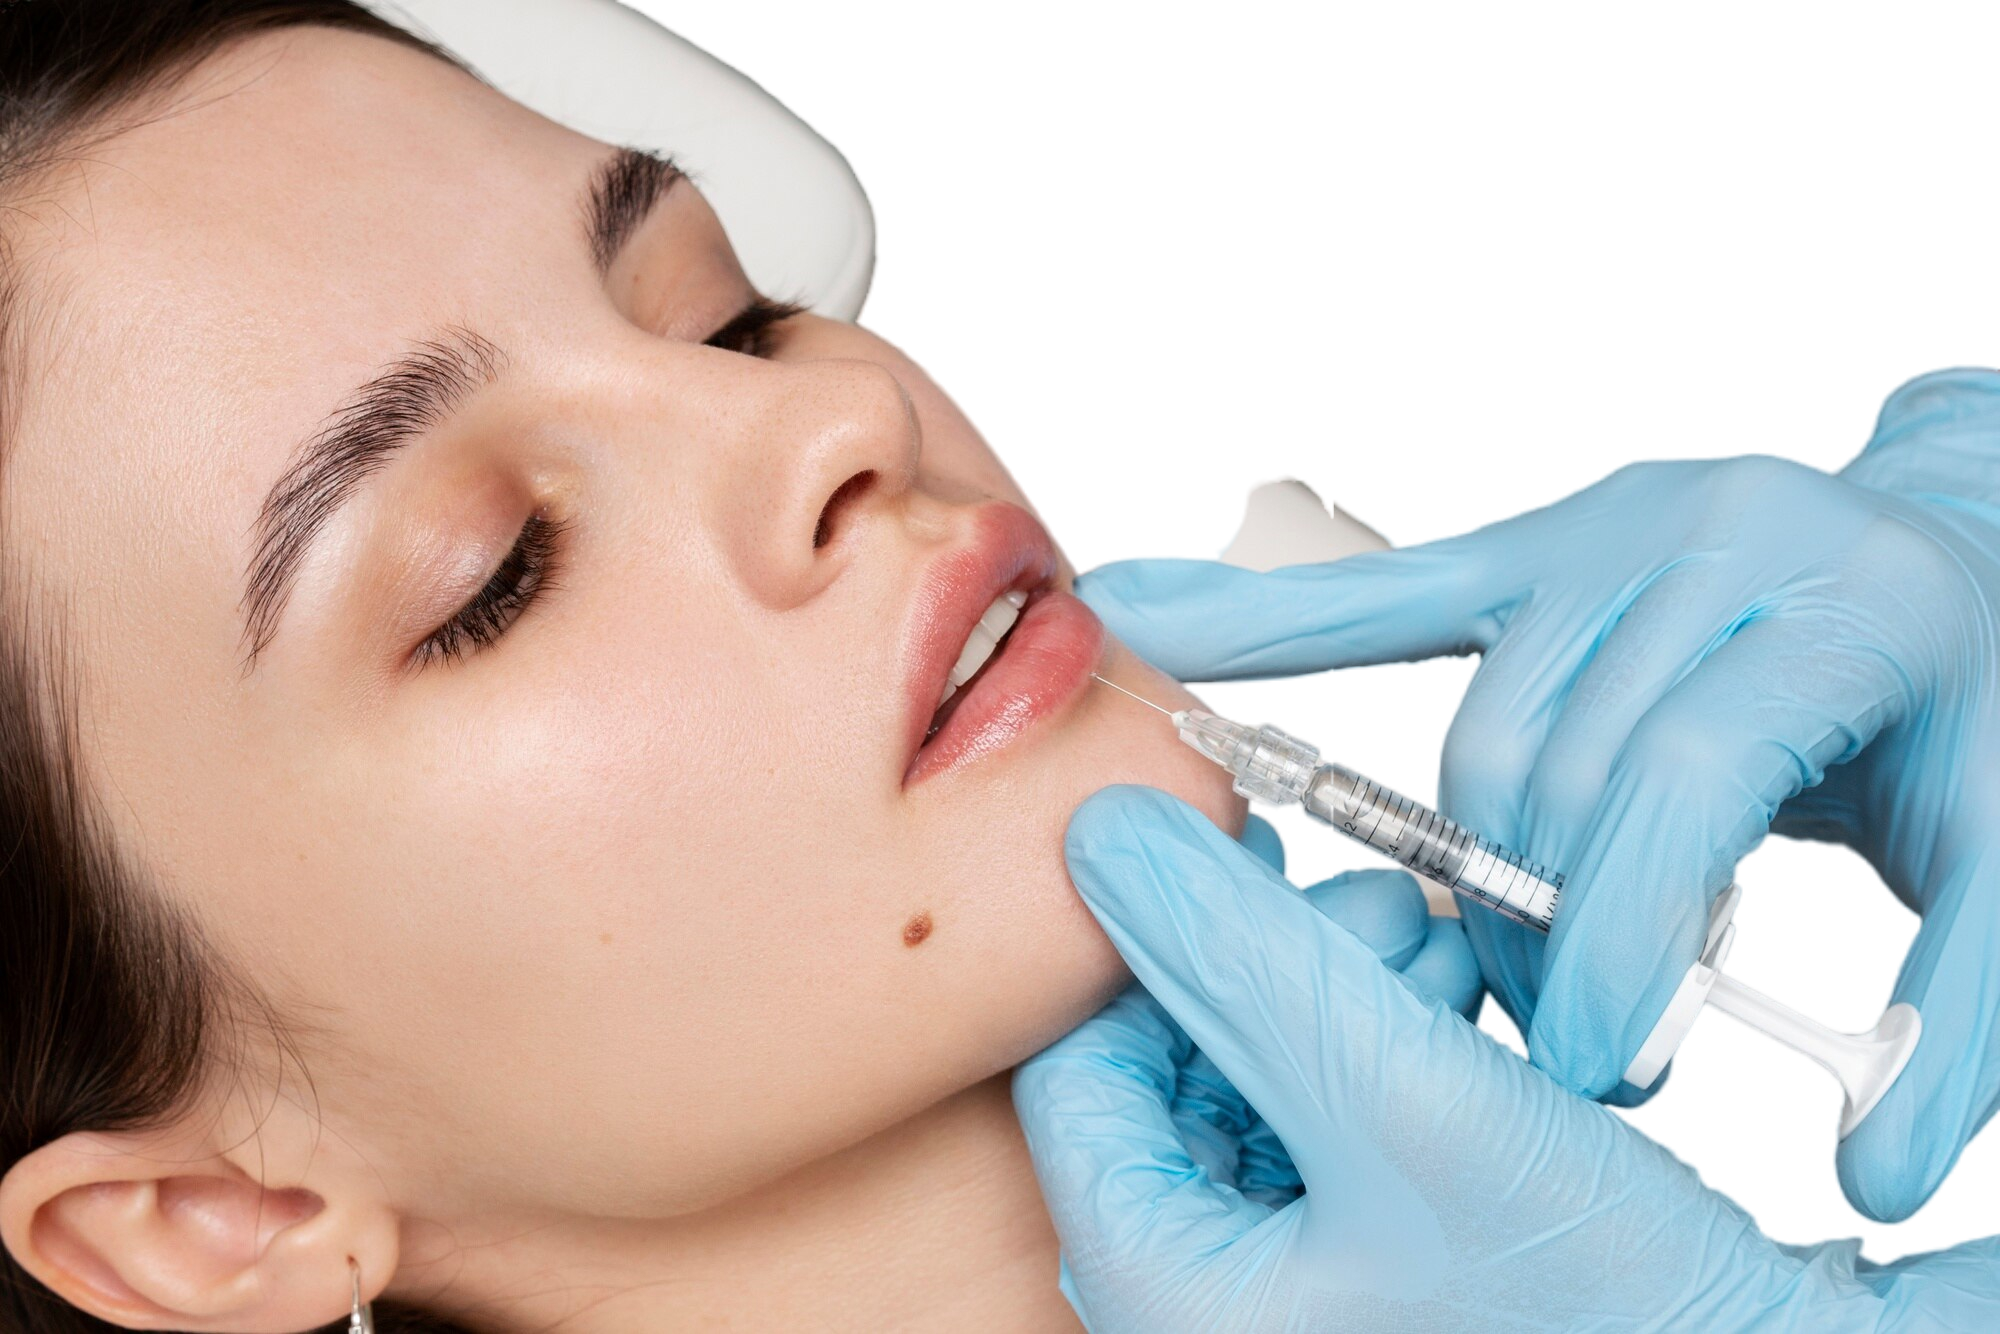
<point>29,300</point>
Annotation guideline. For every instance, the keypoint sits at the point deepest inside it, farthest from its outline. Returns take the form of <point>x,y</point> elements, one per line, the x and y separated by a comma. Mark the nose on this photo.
<point>825,449</point>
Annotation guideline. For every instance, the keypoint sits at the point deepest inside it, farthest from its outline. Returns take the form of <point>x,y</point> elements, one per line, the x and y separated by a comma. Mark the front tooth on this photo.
<point>999,619</point>
<point>978,648</point>
<point>1016,599</point>
<point>950,689</point>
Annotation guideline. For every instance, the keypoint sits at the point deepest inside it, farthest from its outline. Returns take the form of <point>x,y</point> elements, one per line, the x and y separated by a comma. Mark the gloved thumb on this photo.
<point>1386,911</point>
<point>1205,621</point>
<point>1903,1149</point>
<point>1426,1150</point>
<point>1292,1008</point>
<point>1262,839</point>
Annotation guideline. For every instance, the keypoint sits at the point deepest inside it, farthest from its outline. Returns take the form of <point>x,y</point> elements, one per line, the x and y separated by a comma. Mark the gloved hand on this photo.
<point>1386,910</point>
<point>1676,660</point>
<point>1446,1184</point>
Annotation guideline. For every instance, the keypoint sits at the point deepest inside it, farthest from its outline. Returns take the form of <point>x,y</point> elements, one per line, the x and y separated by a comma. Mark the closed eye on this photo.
<point>752,331</point>
<point>528,570</point>
<point>525,573</point>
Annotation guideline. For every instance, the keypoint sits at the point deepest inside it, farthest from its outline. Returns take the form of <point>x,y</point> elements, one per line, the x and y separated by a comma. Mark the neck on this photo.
<point>935,1223</point>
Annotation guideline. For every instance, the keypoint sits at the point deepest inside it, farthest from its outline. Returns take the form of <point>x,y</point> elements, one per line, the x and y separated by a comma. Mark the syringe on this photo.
<point>1271,765</point>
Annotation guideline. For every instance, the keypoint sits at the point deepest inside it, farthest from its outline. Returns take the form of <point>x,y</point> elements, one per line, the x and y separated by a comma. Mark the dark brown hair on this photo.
<point>113,1009</point>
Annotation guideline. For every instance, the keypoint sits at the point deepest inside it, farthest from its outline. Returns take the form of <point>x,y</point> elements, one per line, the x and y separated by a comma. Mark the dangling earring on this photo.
<point>363,1319</point>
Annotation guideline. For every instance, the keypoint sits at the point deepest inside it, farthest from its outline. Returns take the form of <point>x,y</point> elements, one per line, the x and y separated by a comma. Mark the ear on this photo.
<point>164,1230</point>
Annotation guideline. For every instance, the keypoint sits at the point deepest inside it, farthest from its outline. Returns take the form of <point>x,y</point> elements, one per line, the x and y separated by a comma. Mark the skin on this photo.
<point>596,943</point>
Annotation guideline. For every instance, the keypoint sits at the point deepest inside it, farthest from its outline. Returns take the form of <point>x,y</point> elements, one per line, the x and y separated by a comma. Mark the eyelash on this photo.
<point>526,573</point>
<point>530,567</point>
<point>750,331</point>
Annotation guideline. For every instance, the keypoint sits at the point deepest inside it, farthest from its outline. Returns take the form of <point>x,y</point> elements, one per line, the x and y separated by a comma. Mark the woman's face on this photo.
<point>647,830</point>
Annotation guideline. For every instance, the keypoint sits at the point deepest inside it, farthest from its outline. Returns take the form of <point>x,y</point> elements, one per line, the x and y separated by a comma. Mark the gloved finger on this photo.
<point>1257,976</point>
<point>1954,1289</point>
<point>1224,1133</point>
<point>1094,1107</point>
<point>1259,836</point>
<point>1398,1113</point>
<point>1489,752</point>
<point>1686,610</point>
<point>1445,968</point>
<point>1205,621</point>
<point>1754,561</point>
<point>1262,1170</point>
<point>1529,752</point>
<point>1385,910</point>
<point>1934,437</point>
<point>1625,1094</point>
<point>1067,1285</point>
<point>1692,790</point>
<point>1903,1149</point>
<point>1657,632</point>
<point>1509,959</point>
<point>1681,615</point>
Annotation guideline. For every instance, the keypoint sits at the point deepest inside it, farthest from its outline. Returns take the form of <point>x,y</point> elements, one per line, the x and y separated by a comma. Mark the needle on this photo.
<point>1141,698</point>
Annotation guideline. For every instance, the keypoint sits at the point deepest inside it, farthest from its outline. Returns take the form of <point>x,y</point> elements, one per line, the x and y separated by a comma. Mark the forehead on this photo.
<point>307,192</point>
<point>200,288</point>
<point>290,156</point>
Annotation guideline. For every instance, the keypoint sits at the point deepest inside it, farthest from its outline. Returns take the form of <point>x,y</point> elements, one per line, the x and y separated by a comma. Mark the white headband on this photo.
<point>793,209</point>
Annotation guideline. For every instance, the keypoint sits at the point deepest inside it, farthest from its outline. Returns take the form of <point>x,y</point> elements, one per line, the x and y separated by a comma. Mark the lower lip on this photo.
<point>1045,663</point>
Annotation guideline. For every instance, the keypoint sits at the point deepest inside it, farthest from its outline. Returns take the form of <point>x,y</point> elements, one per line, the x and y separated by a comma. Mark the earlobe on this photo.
<point>135,1229</point>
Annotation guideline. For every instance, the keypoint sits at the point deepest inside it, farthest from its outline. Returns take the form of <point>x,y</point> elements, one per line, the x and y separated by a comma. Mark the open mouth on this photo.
<point>999,646</point>
<point>981,647</point>
<point>1039,664</point>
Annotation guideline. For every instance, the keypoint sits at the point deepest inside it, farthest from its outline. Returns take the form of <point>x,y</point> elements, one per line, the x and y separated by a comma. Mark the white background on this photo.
<point>1445,263</point>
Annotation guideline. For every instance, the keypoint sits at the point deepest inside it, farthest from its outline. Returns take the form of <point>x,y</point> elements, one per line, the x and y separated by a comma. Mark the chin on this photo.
<point>1208,789</point>
<point>1158,757</point>
<point>1075,968</point>
<point>1219,801</point>
<point>1108,740</point>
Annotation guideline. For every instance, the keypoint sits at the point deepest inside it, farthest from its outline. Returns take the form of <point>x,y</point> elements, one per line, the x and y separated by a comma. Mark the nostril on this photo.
<point>847,492</point>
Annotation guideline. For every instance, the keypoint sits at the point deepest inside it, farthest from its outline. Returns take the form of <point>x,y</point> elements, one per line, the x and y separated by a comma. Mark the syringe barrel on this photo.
<point>1434,847</point>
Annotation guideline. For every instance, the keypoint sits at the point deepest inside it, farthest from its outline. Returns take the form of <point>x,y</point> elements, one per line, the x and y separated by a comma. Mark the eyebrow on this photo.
<point>411,397</point>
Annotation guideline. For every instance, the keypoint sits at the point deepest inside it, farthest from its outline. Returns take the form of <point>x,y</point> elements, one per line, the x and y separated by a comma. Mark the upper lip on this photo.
<point>1008,550</point>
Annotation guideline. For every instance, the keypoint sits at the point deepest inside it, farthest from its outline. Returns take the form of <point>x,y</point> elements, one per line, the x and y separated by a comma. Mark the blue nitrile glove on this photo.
<point>1446,1184</point>
<point>1387,911</point>
<point>1671,658</point>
